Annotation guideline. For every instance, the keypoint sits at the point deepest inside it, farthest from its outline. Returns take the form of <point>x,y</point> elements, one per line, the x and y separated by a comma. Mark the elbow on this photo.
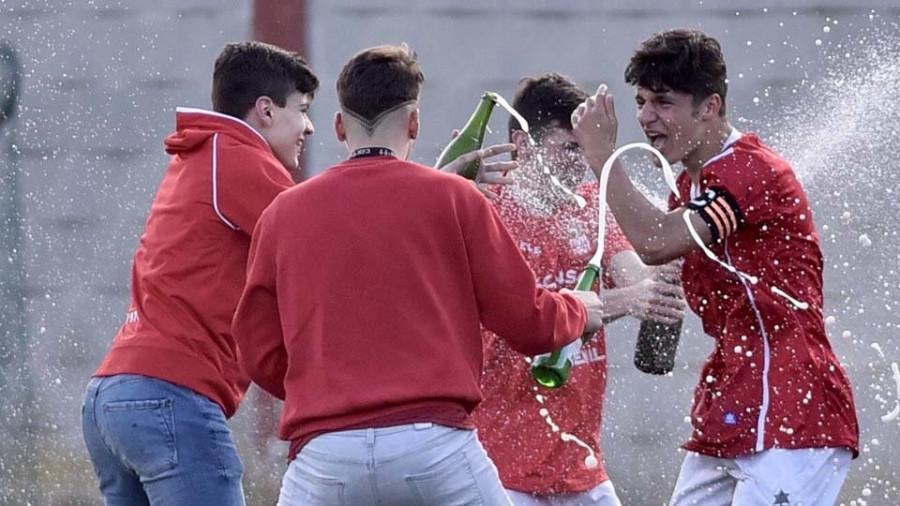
<point>532,348</point>
<point>653,254</point>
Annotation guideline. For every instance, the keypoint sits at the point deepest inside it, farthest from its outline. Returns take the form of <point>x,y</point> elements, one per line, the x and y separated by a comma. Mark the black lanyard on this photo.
<point>367,152</point>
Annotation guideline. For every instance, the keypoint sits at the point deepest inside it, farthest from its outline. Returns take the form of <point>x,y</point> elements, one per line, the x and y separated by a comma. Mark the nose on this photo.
<point>646,115</point>
<point>310,129</point>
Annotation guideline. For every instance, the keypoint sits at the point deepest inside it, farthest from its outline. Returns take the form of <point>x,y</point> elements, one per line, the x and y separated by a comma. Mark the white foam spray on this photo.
<point>579,200</point>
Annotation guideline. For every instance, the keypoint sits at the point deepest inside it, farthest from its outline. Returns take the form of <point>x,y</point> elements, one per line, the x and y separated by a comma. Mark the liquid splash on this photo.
<point>523,123</point>
<point>590,461</point>
<point>890,417</point>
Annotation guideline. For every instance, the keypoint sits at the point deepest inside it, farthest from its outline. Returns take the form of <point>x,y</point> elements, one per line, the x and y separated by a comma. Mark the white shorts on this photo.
<point>602,495</point>
<point>804,477</point>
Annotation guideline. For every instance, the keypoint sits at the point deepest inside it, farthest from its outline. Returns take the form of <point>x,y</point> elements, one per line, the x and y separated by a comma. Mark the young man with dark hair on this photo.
<point>558,239</point>
<point>378,401</point>
<point>154,416</point>
<point>774,418</point>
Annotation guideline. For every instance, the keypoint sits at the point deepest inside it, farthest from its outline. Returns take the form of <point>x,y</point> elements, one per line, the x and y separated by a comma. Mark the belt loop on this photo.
<point>370,436</point>
<point>422,425</point>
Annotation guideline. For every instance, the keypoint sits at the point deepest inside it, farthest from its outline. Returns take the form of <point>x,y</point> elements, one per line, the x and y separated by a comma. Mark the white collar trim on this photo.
<point>191,110</point>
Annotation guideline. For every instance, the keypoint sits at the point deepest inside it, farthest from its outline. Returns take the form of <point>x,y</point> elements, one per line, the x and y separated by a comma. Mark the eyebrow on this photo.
<point>656,95</point>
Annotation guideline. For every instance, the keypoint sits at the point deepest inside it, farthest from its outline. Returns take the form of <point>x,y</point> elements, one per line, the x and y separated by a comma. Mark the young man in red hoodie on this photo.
<point>774,419</point>
<point>365,315</point>
<point>154,416</point>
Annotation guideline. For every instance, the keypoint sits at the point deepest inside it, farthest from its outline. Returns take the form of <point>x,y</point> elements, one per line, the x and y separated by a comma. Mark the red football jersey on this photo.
<point>530,457</point>
<point>773,380</point>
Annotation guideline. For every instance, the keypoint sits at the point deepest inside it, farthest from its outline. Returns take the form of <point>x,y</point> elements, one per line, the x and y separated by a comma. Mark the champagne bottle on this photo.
<point>552,370</point>
<point>654,352</point>
<point>657,343</point>
<point>470,138</point>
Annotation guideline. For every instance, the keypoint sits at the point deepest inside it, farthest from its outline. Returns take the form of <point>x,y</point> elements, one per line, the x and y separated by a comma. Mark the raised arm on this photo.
<point>657,236</point>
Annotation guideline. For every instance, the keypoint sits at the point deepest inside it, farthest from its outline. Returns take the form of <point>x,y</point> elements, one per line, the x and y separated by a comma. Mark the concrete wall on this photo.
<point>102,79</point>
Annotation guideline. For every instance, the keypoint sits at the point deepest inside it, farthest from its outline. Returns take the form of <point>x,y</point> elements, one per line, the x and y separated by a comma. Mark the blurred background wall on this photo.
<point>82,157</point>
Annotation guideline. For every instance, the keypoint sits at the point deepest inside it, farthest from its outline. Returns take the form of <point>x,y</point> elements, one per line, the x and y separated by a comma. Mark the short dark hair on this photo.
<point>378,79</point>
<point>544,101</point>
<point>245,71</point>
<point>683,60</point>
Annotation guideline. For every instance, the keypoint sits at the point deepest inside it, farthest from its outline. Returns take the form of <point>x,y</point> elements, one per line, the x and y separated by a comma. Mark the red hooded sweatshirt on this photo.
<point>189,269</point>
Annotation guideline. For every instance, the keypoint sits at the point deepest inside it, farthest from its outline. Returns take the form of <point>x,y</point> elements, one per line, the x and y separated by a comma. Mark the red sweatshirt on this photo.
<point>366,290</point>
<point>189,269</point>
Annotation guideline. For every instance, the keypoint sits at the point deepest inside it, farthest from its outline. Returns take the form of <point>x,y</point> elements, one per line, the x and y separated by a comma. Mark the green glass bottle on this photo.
<point>552,370</point>
<point>470,138</point>
<point>657,343</point>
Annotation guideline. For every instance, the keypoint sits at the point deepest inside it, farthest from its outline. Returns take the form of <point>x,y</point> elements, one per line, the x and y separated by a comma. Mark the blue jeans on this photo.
<point>416,464</point>
<point>154,442</point>
<point>603,494</point>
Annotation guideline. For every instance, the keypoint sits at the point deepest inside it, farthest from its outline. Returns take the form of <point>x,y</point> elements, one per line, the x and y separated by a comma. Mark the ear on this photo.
<point>412,125</point>
<point>262,111</point>
<point>339,130</point>
<point>710,107</point>
<point>524,150</point>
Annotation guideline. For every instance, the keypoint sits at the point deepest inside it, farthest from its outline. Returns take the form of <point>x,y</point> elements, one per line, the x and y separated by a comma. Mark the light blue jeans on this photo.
<point>603,494</point>
<point>154,442</point>
<point>415,464</point>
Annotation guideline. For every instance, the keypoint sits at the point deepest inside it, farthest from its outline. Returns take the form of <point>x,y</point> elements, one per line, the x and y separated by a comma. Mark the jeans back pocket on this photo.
<point>142,434</point>
<point>449,482</point>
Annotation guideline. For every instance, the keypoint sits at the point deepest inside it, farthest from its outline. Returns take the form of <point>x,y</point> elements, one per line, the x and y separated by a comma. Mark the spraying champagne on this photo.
<point>552,369</point>
<point>470,138</point>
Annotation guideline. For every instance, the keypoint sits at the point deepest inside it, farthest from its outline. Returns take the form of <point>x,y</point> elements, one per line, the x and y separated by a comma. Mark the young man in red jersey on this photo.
<point>558,238</point>
<point>365,315</point>
<point>774,418</point>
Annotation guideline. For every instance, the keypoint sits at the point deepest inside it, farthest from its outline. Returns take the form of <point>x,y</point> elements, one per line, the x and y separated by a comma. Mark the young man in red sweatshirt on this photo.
<point>154,416</point>
<point>366,290</point>
<point>774,418</point>
<point>558,238</point>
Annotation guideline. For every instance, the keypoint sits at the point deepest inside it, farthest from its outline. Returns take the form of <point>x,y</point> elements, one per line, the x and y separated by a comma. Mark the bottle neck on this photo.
<point>479,120</point>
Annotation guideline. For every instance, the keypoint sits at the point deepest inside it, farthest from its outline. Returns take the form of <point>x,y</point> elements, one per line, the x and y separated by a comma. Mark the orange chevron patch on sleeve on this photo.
<point>719,210</point>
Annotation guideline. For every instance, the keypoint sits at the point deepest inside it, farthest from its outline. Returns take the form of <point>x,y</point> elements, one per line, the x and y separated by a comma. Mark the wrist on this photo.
<point>616,302</point>
<point>596,157</point>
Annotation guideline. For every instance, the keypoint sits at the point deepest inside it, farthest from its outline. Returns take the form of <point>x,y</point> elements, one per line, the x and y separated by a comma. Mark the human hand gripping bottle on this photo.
<point>657,343</point>
<point>552,370</point>
<point>470,138</point>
